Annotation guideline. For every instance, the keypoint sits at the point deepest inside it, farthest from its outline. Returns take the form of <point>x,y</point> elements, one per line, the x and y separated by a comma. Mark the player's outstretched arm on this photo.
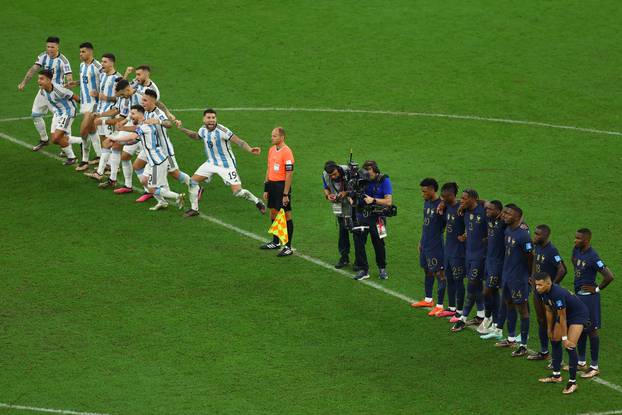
<point>128,71</point>
<point>131,138</point>
<point>192,134</point>
<point>164,108</point>
<point>243,144</point>
<point>33,69</point>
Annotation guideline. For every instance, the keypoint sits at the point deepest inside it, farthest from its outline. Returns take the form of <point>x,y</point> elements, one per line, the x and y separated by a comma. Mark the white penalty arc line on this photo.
<point>394,113</point>
<point>297,253</point>
<point>47,410</point>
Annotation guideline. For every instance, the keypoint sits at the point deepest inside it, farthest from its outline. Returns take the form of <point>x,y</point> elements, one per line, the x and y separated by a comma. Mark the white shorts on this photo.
<point>105,129</point>
<point>40,106</point>
<point>61,122</point>
<point>172,163</point>
<point>133,148</point>
<point>142,155</point>
<point>229,176</point>
<point>86,107</point>
<point>156,175</point>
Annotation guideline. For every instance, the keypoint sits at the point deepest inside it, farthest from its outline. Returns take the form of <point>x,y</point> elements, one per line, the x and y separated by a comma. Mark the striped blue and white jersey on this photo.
<point>153,143</point>
<point>89,81</point>
<point>59,66</point>
<point>158,114</point>
<point>61,99</point>
<point>140,91</point>
<point>123,105</point>
<point>106,87</point>
<point>217,145</point>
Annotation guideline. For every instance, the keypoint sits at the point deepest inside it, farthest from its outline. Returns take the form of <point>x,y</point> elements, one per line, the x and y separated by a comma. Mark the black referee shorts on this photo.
<point>275,196</point>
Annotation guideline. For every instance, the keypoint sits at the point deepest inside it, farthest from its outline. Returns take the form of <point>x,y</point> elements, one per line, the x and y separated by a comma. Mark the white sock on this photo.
<point>193,193</point>
<point>40,126</point>
<point>69,152</point>
<point>438,306</point>
<point>428,300</point>
<point>452,308</point>
<point>126,165</point>
<point>481,314</point>
<point>97,145</point>
<point>580,363</point>
<point>115,160</point>
<point>459,312</point>
<point>160,199</point>
<point>75,140</point>
<point>511,339</point>
<point>463,318</point>
<point>86,147</point>
<point>246,195</point>
<point>103,161</point>
<point>167,193</point>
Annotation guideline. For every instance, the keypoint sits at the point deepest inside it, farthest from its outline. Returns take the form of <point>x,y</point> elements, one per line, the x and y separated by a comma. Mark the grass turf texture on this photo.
<point>108,307</point>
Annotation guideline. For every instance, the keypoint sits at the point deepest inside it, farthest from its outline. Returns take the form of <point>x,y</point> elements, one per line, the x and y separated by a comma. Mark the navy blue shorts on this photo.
<point>493,274</point>
<point>517,291</point>
<point>454,268</point>
<point>475,269</point>
<point>592,302</point>
<point>432,261</point>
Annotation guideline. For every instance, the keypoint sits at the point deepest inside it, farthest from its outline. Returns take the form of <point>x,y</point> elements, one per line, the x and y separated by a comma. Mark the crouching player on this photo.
<point>154,177</point>
<point>566,317</point>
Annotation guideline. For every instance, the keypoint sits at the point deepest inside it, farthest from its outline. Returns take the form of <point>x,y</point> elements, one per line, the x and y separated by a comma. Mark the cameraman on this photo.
<point>377,195</point>
<point>335,191</point>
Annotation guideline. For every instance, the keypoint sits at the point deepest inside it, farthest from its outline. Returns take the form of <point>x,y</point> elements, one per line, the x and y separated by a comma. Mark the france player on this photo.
<point>495,254</point>
<point>150,133</point>
<point>586,264</point>
<point>431,247</point>
<point>141,82</point>
<point>517,266</point>
<point>548,260</point>
<point>63,101</point>
<point>55,62</point>
<point>476,233</point>
<point>567,317</point>
<point>217,141</point>
<point>90,70</point>
<point>454,251</point>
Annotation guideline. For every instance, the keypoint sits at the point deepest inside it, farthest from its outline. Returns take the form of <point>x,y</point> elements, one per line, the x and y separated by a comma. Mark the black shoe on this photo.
<point>108,183</point>
<point>521,351</point>
<point>82,166</point>
<point>342,263</point>
<point>475,321</point>
<point>361,275</point>
<point>286,251</point>
<point>190,213</point>
<point>69,162</point>
<point>261,207</point>
<point>270,245</point>
<point>458,326</point>
<point>40,145</point>
<point>538,356</point>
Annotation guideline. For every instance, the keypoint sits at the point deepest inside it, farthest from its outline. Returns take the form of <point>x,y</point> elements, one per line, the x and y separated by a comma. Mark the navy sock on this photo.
<point>451,291</point>
<point>440,291</point>
<point>479,296</point>
<point>556,346</point>
<point>524,330</point>
<point>582,347</point>
<point>460,293</point>
<point>594,348</point>
<point>502,316</point>
<point>495,306</point>
<point>573,358</point>
<point>544,337</point>
<point>488,305</point>
<point>471,291</point>
<point>512,317</point>
<point>429,285</point>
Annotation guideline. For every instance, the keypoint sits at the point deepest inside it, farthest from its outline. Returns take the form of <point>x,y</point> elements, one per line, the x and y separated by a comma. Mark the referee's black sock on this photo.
<point>290,232</point>
<point>276,240</point>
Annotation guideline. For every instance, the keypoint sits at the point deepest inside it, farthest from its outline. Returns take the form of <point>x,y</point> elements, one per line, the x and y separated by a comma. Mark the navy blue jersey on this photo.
<point>496,242</point>
<point>515,263</point>
<point>559,298</point>
<point>454,227</point>
<point>586,265</point>
<point>433,226</point>
<point>547,259</point>
<point>477,232</point>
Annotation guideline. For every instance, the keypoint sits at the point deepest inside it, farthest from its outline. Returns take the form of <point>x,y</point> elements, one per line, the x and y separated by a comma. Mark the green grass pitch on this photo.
<point>107,307</point>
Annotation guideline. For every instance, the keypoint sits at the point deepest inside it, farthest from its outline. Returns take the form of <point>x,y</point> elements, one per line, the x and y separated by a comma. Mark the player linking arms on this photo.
<point>220,160</point>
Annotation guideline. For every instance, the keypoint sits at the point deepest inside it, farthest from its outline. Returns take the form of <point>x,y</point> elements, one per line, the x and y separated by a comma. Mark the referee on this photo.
<point>278,187</point>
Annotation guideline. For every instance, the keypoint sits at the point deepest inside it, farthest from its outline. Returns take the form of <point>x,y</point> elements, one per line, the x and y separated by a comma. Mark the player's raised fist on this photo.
<point>256,150</point>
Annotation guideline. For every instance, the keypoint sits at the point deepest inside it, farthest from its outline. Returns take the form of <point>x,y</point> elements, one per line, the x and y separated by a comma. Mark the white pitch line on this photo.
<point>395,113</point>
<point>47,410</point>
<point>614,412</point>
<point>308,258</point>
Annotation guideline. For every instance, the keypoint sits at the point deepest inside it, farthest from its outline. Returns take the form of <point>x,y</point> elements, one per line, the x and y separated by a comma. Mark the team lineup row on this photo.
<point>486,243</point>
<point>125,119</point>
